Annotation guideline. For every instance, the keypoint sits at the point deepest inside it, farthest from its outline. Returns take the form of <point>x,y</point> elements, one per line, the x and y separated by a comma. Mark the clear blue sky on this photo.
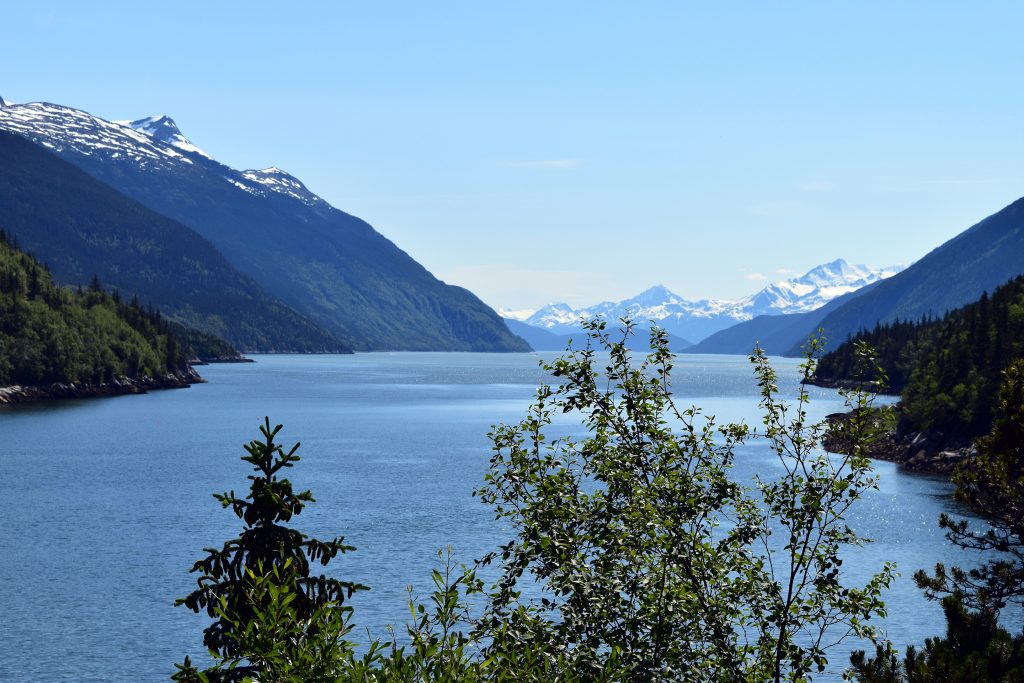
<point>578,151</point>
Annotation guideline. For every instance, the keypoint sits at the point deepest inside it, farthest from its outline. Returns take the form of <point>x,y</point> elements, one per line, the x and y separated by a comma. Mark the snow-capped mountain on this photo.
<point>814,289</point>
<point>329,266</point>
<point>164,129</point>
<point>154,143</point>
<point>698,319</point>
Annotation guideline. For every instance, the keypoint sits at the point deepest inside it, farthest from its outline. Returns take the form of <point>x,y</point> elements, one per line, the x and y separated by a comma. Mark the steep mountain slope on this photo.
<point>328,265</point>
<point>777,334</point>
<point>955,273</point>
<point>82,227</point>
<point>700,319</point>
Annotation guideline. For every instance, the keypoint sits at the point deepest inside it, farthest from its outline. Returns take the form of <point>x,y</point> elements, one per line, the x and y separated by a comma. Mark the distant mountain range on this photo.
<point>697,320</point>
<point>257,258</point>
<point>540,339</point>
<point>954,274</point>
<point>334,270</point>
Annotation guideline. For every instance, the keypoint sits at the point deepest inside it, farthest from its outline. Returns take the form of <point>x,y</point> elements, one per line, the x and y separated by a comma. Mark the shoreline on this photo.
<point>870,387</point>
<point>922,452</point>
<point>220,359</point>
<point>121,386</point>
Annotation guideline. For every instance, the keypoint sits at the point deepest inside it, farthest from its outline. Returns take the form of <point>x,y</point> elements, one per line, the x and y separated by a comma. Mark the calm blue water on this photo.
<point>106,503</point>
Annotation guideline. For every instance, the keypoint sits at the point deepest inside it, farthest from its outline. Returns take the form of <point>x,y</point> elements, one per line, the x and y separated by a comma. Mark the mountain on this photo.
<point>700,319</point>
<point>329,266</point>
<point>815,288</point>
<point>954,274</point>
<point>777,334</point>
<point>541,340</point>
<point>81,228</point>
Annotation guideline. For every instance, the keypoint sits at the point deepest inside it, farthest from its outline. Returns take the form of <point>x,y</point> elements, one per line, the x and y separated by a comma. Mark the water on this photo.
<point>106,503</point>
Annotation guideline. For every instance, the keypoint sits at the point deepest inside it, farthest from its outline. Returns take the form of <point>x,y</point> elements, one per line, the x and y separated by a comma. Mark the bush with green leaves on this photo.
<point>647,560</point>
<point>645,545</point>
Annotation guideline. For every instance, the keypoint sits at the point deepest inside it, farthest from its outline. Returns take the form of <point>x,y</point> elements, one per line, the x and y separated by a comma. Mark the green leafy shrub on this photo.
<point>652,563</point>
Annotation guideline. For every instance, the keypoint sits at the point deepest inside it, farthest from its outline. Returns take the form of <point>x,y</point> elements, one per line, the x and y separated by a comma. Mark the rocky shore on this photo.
<point>206,360</point>
<point>117,387</point>
<point>852,385</point>
<point>934,453</point>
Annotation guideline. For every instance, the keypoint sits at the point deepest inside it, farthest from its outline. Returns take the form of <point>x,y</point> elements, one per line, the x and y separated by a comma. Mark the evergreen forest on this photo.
<point>50,334</point>
<point>947,370</point>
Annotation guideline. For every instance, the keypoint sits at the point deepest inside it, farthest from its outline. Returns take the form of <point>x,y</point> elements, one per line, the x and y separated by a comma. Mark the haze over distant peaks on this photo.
<point>697,319</point>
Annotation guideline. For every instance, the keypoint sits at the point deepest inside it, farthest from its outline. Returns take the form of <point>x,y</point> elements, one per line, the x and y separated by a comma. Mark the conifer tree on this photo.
<point>265,549</point>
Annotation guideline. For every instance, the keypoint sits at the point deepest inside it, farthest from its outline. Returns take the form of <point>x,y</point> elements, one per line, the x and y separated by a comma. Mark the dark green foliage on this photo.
<point>202,346</point>
<point>955,386</point>
<point>899,347</point>
<point>977,260</point>
<point>975,649</point>
<point>948,370</point>
<point>81,228</point>
<point>992,485</point>
<point>50,335</point>
<point>229,577</point>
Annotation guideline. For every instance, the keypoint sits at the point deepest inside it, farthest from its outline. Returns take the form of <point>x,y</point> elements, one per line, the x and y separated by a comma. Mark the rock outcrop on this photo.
<point>917,451</point>
<point>117,387</point>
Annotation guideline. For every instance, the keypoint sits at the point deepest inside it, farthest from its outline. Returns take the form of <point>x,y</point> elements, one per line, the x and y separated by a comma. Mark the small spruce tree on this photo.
<point>265,551</point>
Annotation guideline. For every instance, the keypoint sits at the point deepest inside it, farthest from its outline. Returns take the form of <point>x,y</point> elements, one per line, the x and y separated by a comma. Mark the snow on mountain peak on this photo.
<point>696,320</point>
<point>154,142</point>
<point>519,314</point>
<point>658,294</point>
<point>160,128</point>
<point>3,103</point>
<point>838,270</point>
<point>163,129</point>
<point>281,182</point>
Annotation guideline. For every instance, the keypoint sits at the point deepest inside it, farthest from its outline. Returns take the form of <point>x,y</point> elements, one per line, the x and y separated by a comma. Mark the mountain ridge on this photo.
<point>83,228</point>
<point>329,266</point>
<point>699,319</point>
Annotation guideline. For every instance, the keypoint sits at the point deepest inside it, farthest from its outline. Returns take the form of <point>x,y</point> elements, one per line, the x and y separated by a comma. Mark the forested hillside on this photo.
<point>50,334</point>
<point>948,371</point>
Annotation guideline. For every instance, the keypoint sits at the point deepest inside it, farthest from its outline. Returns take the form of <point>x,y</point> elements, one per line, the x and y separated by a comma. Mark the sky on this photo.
<point>579,152</point>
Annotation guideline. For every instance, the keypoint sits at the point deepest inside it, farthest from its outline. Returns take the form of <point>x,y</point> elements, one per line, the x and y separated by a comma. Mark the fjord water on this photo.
<point>106,503</point>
